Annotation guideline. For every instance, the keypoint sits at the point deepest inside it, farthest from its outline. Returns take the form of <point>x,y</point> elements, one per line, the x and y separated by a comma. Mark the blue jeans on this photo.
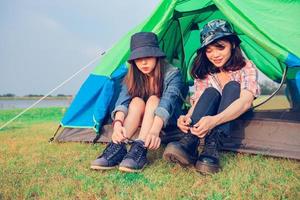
<point>212,102</point>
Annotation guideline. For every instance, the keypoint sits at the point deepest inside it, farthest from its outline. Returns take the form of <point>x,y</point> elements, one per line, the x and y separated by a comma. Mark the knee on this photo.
<point>137,105</point>
<point>152,102</point>
<point>212,92</point>
<point>232,87</point>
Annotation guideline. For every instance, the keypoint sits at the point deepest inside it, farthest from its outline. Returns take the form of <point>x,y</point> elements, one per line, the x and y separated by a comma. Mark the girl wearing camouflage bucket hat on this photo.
<point>150,97</point>
<point>225,87</point>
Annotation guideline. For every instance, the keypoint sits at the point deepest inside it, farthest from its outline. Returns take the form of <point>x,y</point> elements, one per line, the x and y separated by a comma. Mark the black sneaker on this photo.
<point>184,151</point>
<point>111,156</point>
<point>136,158</point>
<point>209,160</point>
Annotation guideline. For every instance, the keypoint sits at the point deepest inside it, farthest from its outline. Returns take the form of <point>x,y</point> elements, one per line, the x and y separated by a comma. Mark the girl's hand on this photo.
<point>204,125</point>
<point>152,141</point>
<point>183,123</point>
<point>119,134</point>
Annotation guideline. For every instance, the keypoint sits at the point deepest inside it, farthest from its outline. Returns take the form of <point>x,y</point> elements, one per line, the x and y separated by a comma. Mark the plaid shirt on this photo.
<point>247,77</point>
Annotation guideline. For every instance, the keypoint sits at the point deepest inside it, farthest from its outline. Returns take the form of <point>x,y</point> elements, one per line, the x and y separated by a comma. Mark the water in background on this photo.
<point>18,103</point>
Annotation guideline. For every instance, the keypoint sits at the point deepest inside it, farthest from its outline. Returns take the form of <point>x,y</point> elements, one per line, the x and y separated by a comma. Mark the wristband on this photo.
<point>117,120</point>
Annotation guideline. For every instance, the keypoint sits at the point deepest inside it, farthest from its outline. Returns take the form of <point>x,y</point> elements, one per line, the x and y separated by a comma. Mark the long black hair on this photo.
<point>202,66</point>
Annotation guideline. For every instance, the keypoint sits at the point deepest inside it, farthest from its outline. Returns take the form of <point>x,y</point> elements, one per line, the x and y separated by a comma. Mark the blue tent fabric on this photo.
<point>292,60</point>
<point>94,101</point>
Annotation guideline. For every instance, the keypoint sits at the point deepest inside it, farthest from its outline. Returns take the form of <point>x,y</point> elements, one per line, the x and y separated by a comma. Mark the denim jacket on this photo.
<point>170,104</point>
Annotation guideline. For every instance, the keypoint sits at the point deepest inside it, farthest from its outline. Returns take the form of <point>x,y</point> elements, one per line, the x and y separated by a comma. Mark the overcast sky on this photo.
<point>43,42</point>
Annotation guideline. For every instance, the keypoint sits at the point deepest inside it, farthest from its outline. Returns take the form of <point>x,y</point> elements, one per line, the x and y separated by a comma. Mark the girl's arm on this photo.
<point>165,108</point>
<point>119,116</point>
<point>152,140</point>
<point>238,107</point>
<point>156,126</point>
<point>184,121</point>
<point>119,132</point>
<point>122,102</point>
<point>169,98</point>
<point>249,90</point>
<point>233,111</point>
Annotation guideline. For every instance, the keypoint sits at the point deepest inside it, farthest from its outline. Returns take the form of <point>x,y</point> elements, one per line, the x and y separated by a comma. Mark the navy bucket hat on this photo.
<point>144,44</point>
<point>215,30</point>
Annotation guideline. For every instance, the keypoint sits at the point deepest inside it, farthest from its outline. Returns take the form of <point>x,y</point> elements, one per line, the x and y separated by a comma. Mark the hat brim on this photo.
<point>143,52</point>
<point>219,36</point>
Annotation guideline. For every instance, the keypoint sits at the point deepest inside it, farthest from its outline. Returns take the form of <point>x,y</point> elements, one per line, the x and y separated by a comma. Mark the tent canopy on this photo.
<point>270,34</point>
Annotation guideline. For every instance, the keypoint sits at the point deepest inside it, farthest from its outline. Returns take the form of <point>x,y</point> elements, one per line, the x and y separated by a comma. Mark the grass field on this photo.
<point>31,168</point>
<point>277,102</point>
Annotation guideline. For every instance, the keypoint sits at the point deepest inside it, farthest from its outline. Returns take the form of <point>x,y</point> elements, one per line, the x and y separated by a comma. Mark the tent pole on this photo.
<point>183,51</point>
<point>275,92</point>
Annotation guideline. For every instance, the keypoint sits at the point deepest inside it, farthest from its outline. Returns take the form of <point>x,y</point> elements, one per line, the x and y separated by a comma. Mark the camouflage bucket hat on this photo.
<point>214,30</point>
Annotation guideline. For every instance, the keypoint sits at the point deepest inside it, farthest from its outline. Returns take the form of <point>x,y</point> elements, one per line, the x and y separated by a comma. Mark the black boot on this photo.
<point>208,161</point>
<point>184,151</point>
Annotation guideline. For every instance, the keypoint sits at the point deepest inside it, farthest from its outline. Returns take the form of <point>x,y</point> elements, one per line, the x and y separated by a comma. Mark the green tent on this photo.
<point>270,34</point>
<point>270,31</point>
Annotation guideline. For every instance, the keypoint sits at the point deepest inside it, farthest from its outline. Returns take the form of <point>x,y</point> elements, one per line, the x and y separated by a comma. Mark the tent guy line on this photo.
<point>53,90</point>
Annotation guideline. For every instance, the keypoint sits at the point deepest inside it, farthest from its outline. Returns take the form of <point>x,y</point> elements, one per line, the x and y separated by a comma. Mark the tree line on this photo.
<point>34,95</point>
<point>267,88</point>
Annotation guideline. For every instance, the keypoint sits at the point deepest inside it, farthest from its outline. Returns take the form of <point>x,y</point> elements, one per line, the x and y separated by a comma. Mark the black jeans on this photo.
<point>212,102</point>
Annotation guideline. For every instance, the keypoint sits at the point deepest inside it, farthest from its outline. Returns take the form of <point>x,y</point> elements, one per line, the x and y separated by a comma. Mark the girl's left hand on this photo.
<point>204,125</point>
<point>152,141</point>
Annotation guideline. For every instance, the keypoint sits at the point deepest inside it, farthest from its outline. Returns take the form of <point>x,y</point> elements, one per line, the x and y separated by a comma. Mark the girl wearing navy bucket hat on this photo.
<point>150,97</point>
<point>225,87</point>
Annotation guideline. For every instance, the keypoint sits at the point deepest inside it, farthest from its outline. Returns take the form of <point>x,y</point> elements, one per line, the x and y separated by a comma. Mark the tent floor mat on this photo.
<point>274,133</point>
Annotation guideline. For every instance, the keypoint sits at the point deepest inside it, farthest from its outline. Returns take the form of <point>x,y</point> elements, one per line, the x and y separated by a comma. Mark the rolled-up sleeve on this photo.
<point>171,94</point>
<point>249,79</point>
<point>199,86</point>
<point>122,102</point>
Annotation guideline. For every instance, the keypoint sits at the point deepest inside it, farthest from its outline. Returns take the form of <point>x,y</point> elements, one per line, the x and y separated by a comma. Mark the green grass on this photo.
<point>277,102</point>
<point>35,115</point>
<point>31,168</point>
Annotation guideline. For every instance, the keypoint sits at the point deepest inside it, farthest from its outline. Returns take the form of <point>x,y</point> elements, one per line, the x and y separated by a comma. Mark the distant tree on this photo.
<point>268,87</point>
<point>8,95</point>
<point>60,95</point>
<point>33,95</point>
<point>282,90</point>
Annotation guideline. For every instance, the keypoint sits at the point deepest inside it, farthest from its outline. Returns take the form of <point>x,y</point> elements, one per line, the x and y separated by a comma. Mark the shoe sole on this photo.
<point>126,169</point>
<point>206,169</point>
<point>172,154</point>
<point>102,167</point>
